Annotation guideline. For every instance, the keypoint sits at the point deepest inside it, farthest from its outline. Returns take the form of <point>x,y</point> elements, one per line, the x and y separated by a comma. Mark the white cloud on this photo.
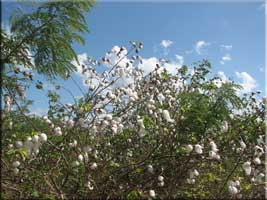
<point>223,77</point>
<point>247,82</point>
<point>200,45</point>
<point>166,43</point>
<point>226,47</point>
<point>180,59</point>
<point>226,58</point>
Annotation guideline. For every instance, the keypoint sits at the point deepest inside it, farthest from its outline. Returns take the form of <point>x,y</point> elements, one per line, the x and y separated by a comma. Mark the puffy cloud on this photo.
<point>226,47</point>
<point>200,45</point>
<point>166,43</point>
<point>180,59</point>
<point>226,58</point>
<point>247,82</point>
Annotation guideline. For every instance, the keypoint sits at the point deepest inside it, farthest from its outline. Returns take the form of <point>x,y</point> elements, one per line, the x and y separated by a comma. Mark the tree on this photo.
<point>46,36</point>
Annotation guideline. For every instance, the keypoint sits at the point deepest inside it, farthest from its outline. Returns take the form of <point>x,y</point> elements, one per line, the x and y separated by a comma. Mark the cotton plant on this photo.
<point>145,134</point>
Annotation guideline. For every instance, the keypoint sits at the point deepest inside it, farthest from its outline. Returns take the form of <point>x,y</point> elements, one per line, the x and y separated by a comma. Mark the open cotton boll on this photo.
<point>16,164</point>
<point>161,97</point>
<point>198,149</point>
<point>19,144</point>
<point>80,158</point>
<point>93,166</point>
<point>242,144</point>
<point>152,193</point>
<point>35,138</point>
<point>43,137</point>
<point>160,178</point>
<point>257,161</point>
<point>140,123</point>
<point>246,166</point>
<point>70,123</point>
<point>232,190</point>
<point>189,148</point>
<point>150,169</point>
<point>16,170</point>
<point>166,116</point>
<point>213,146</point>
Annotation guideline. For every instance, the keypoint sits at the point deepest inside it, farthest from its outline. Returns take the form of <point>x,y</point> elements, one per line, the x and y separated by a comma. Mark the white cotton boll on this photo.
<point>48,121</point>
<point>87,149</point>
<point>232,190</point>
<point>114,129</point>
<point>160,178</point>
<point>225,126</point>
<point>191,180</point>
<point>195,173</point>
<point>43,137</point>
<point>16,171</point>
<point>161,184</point>
<point>105,123</point>
<point>70,123</point>
<point>189,148</point>
<point>10,146</point>
<point>89,185</point>
<point>140,123</point>
<point>161,97</point>
<point>213,146</point>
<point>45,118</point>
<point>166,116</point>
<point>108,117</point>
<point>242,144</point>
<point>237,183</point>
<point>212,154</point>
<point>257,161</point>
<point>93,166</point>
<point>35,138</point>
<point>152,193</point>
<point>246,166</point>
<point>198,149</point>
<point>19,144</point>
<point>16,164</point>
<point>150,169</point>
<point>80,158</point>
<point>217,157</point>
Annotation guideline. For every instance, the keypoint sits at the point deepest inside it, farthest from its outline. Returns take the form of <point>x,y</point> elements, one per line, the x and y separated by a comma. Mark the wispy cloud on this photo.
<point>166,43</point>
<point>226,58</point>
<point>200,45</point>
<point>247,82</point>
<point>226,47</point>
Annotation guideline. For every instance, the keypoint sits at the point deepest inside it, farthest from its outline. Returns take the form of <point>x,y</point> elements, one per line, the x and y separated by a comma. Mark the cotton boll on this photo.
<point>189,148</point>
<point>152,193</point>
<point>93,166</point>
<point>259,177</point>
<point>15,164</point>
<point>89,185</point>
<point>161,184</point>
<point>35,138</point>
<point>140,123</point>
<point>213,146</point>
<point>160,178</point>
<point>16,171</point>
<point>191,180</point>
<point>166,116</point>
<point>232,190</point>
<point>42,137</point>
<point>212,154</point>
<point>246,166</point>
<point>70,123</point>
<point>150,169</point>
<point>242,144</point>
<point>257,161</point>
<point>80,158</point>
<point>19,144</point>
<point>198,149</point>
<point>195,173</point>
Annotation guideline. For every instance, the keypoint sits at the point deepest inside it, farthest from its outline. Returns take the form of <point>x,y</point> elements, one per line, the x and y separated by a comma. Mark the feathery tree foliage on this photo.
<point>42,40</point>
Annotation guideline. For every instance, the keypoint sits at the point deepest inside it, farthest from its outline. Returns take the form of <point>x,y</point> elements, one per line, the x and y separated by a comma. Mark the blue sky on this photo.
<point>230,35</point>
